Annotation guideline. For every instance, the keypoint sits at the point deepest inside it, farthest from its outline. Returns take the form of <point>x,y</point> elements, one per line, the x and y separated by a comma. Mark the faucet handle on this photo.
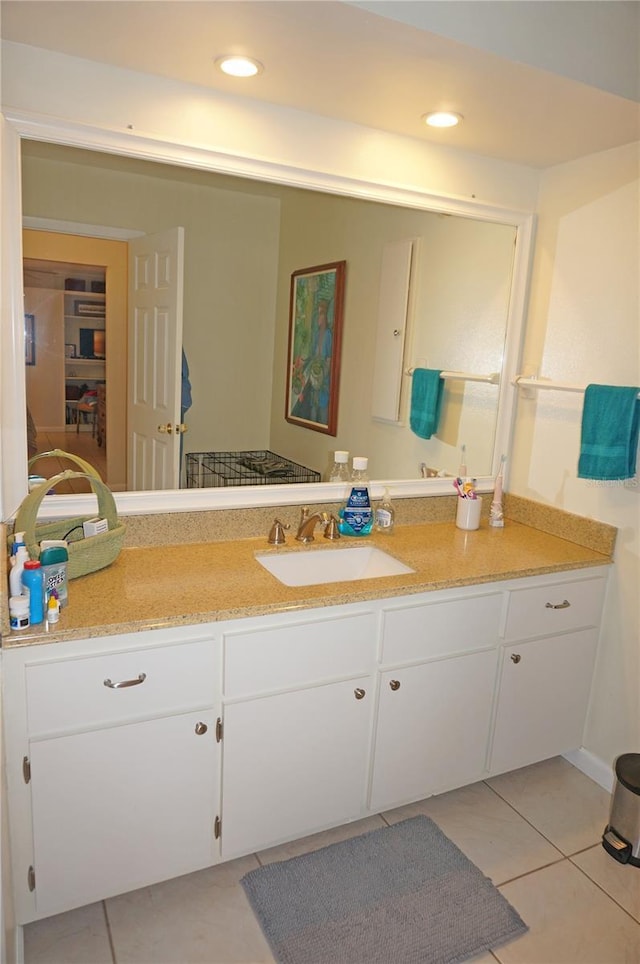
<point>331,530</point>
<point>276,535</point>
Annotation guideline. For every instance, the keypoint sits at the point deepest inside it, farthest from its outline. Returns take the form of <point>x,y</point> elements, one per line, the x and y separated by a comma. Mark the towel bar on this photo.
<point>527,381</point>
<point>492,379</point>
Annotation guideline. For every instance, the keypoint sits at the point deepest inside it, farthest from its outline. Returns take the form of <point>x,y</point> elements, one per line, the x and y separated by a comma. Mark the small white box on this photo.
<point>93,527</point>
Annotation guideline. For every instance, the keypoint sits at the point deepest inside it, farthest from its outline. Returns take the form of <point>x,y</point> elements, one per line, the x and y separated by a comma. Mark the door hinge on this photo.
<point>26,769</point>
<point>217,828</point>
<point>31,879</point>
<point>219,729</point>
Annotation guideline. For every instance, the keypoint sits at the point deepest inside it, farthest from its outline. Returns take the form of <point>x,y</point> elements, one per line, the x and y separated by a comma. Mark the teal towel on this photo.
<point>426,398</point>
<point>609,441</point>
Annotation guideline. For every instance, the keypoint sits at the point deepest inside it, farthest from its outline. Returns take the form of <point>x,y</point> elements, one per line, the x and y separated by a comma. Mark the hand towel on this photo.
<point>609,440</point>
<point>426,398</point>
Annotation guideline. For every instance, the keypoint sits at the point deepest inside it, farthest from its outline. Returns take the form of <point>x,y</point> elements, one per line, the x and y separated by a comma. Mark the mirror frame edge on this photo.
<point>24,125</point>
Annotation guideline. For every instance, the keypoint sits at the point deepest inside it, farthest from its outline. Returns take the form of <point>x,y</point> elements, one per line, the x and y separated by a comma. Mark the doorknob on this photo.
<point>181,428</point>
<point>166,429</point>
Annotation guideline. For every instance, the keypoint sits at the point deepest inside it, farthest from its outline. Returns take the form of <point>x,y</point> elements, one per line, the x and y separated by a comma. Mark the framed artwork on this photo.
<point>69,351</point>
<point>29,339</point>
<point>315,340</point>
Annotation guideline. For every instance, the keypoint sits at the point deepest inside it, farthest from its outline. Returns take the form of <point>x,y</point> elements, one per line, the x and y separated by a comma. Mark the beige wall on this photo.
<point>231,245</point>
<point>584,327</point>
<point>45,379</point>
<point>461,280</point>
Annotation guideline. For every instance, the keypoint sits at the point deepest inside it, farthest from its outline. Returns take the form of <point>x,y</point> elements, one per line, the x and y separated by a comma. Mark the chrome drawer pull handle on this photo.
<point>125,682</point>
<point>563,605</point>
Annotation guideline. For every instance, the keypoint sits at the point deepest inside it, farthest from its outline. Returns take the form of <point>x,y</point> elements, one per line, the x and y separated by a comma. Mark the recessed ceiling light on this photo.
<point>442,118</point>
<point>239,66</point>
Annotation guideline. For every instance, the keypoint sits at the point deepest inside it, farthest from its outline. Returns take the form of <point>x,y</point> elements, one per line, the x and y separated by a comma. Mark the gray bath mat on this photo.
<point>404,894</point>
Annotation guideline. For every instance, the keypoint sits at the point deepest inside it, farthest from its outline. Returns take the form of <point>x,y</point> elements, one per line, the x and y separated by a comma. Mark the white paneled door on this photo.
<point>156,270</point>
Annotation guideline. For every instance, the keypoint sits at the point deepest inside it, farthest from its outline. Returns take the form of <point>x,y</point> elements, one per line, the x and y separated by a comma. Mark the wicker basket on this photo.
<point>85,555</point>
<point>70,457</point>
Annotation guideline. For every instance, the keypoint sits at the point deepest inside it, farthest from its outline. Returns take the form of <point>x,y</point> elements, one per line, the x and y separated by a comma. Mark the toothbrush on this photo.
<point>462,471</point>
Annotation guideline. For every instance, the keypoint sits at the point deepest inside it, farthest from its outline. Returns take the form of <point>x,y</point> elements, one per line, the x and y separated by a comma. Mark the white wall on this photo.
<point>584,326</point>
<point>56,86</point>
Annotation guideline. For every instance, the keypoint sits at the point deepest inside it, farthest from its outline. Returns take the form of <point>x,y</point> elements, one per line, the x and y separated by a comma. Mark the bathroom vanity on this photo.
<point>153,744</point>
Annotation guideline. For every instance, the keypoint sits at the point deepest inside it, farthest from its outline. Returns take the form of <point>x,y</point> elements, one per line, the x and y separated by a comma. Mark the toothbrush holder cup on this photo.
<point>468,513</point>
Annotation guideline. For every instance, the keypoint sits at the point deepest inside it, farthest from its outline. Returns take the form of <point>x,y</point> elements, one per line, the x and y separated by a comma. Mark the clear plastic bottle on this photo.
<point>385,514</point>
<point>355,518</point>
<point>339,471</point>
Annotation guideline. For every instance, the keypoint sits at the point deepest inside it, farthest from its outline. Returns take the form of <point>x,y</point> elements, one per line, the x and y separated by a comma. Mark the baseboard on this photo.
<point>592,766</point>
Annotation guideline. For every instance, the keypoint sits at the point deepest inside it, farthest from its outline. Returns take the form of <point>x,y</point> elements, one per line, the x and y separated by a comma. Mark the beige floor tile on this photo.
<point>560,801</point>
<point>203,918</point>
<point>76,937</point>
<point>571,921</point>
<point>620,881</point>
<point>486,829</point>
<point>317,840</point>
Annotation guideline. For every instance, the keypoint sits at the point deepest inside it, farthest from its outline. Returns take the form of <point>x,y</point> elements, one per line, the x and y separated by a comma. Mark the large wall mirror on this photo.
<point>243,239</point>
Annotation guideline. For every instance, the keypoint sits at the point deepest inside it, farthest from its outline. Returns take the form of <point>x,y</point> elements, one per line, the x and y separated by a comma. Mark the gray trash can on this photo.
<point>621,837</point>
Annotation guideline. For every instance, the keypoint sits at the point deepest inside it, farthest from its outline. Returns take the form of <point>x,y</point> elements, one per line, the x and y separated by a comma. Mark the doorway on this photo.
<point>109,258</point>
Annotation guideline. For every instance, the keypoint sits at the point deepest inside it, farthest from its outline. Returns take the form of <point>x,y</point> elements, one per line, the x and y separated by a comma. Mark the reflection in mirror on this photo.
<point>243,240</point>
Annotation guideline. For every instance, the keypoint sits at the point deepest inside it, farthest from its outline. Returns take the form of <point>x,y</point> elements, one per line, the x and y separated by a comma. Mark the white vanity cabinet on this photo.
<point>551,636</point>
<point>132,759</point>
<point>436,697</point>
<point>115,783</point>
<point>298,706</point>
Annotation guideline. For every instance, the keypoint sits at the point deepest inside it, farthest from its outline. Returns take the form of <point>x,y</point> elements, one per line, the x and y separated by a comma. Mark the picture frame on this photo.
<point>316,307</point>
<point>69,351</point>
<point>29,339</point>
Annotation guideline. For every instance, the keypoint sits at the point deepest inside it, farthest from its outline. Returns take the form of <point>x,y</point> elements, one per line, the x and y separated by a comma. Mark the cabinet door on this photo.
<point>433,728</point>
<point>294,763</point>
<point>543,698</point>
<point>120,808</point>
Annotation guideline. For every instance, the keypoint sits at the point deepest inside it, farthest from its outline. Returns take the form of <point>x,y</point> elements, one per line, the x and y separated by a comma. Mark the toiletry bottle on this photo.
<point>15,573</point>
<point>32,580</point>
<point>339,471</point>
<point>19,613</point>
<point>385,514</point>
<point>53,558</point>
<point>356,516</point>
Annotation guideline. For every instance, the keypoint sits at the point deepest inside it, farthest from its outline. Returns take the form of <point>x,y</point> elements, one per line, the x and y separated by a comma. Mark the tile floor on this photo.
<point>535,832</point>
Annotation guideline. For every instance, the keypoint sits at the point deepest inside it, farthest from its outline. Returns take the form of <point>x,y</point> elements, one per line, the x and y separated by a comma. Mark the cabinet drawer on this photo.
<point>441,628</point>
<point>69,693</point>
<point>289,655</point>
<point>554,608</point>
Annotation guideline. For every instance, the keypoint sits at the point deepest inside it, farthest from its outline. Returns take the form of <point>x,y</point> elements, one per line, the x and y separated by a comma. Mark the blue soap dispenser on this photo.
<point>355,518</point>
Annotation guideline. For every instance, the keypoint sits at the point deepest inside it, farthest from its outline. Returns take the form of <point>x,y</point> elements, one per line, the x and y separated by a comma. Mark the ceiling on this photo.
<point>343,61</point>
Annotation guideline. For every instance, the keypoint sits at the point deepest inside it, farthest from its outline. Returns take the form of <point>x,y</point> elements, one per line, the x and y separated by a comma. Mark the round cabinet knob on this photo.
<point>201,729</point>
<point>359,693</point>
<point>395,684</point>
<point>515,657</point>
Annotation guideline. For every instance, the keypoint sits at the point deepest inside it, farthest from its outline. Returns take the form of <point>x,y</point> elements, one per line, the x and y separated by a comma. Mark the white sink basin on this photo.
<point>331,565</point>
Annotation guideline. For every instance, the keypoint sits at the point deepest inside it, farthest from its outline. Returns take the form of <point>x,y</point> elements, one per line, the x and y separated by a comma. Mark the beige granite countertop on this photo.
<point>177,585</point>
